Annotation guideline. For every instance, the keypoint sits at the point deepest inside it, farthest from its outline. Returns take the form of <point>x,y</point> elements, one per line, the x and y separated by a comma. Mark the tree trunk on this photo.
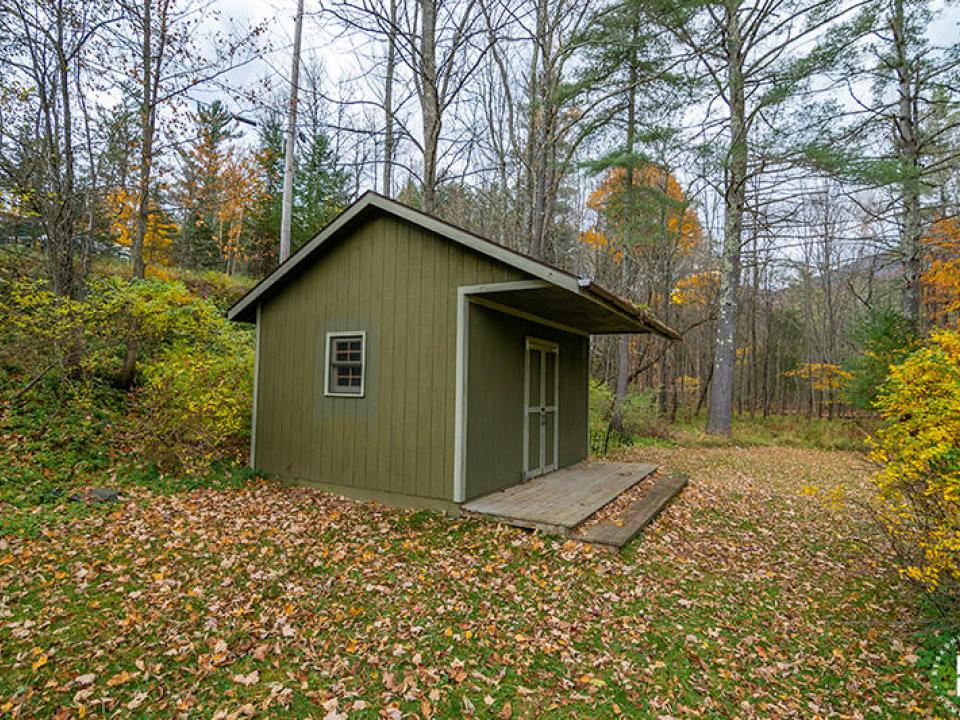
<point>63,225</point>
<point>909,152</point>
<point>719,420</point>
<point>623,379</point>
<point>388,139</point>
<point>286,211</point>
<point>147,128</point>
<point>429,101</point>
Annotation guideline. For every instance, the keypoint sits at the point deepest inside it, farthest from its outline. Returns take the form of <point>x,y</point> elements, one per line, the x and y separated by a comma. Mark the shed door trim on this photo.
<point>541,409</point>
<point>460,384</point>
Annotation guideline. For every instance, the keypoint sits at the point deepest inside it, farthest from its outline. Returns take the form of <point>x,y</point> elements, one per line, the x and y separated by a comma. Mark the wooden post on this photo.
<point>287,206</point>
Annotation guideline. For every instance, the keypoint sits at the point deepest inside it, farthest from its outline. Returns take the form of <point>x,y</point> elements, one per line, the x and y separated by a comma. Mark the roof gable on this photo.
<point>371,204</point>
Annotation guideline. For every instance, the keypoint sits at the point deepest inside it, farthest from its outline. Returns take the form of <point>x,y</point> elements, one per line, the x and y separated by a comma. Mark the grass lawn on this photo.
<point>760,592</point>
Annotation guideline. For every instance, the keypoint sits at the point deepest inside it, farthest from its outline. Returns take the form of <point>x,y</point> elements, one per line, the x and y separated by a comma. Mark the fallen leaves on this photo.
<point>272,601</point>
<point>250,678</point>
<point>120,678</point>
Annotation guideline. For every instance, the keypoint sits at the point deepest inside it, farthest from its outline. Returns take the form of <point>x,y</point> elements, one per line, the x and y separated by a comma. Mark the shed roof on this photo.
<point>560,297</point>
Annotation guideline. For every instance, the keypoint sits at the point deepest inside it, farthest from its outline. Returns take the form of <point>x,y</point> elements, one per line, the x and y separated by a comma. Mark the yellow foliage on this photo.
<point>598,240</point>
<point>687,384</point>
<point>919,448</point>
<point>159,232</point>
<point>696,289</point>
<point>823,376</point>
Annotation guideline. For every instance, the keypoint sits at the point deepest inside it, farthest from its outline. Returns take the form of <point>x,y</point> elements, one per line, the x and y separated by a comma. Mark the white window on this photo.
<point>346,353</point>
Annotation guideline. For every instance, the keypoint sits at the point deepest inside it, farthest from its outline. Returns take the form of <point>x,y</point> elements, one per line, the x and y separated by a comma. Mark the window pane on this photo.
<point>346,365</point>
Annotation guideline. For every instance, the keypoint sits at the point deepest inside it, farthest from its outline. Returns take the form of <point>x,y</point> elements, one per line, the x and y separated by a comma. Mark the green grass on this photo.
<point>773,431</point>
<point>753,595</point>
<point>61,439</point>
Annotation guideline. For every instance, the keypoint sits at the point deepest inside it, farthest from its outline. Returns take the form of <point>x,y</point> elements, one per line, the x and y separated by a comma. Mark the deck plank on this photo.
<point>637,517</point>
<point>563,499</point>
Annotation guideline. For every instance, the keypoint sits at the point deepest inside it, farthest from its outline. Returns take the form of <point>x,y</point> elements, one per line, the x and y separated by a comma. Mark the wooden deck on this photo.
<point>637,517</point>
<point>558,502</point>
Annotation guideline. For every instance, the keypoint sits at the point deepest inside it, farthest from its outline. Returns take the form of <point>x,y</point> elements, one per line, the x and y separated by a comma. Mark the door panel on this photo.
<point>550,378</point>
<point>549,439</point>
<point>532,464</point>
<point>541,412</point>
<point>536,369</point>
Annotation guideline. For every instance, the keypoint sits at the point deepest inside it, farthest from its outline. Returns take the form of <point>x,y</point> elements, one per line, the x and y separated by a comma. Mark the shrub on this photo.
<point>601,406</point>
<point>884,338</point>
<point>919,447</point>
<point>641,414</point>
<point>59,357</point>
<point>641,417</point>
<point>196,400</point>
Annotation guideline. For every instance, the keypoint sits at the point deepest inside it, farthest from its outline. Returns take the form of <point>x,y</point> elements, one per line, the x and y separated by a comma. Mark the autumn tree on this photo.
<point>941,276</point>
<point>748,62</point>
<point>650,230</point>
<point>164,53</point>
<point>204,185</point>
<point>242,187</point>
<point>161,229</point>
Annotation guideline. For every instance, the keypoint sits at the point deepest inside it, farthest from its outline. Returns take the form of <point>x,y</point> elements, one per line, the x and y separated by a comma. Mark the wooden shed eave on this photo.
<point>584,308</point>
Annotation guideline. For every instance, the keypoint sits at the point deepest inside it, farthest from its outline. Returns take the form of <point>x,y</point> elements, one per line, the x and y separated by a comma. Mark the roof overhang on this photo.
<point>578,308</point>
<point>553,294</point>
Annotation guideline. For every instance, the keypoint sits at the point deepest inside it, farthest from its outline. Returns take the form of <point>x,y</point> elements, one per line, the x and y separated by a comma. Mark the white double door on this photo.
<point>541,442</point>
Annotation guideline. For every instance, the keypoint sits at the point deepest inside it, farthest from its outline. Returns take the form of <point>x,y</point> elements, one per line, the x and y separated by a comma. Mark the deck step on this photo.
<point>636,517</point>
<point>558,502</point>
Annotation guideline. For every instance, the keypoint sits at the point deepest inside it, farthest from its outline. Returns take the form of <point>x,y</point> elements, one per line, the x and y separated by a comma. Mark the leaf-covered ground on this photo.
<point>761,592</point>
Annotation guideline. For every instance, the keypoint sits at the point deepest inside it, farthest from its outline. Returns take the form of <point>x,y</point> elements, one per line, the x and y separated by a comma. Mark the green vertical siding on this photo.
<point>398,283</point>
<point>495,414</point>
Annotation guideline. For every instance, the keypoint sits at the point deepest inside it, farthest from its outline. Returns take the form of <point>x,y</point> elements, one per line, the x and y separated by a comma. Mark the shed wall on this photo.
<point>495,413</point>
<point>398,283</point>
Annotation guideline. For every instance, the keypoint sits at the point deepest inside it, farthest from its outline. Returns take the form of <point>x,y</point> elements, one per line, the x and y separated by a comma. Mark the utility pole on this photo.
<point>287,205</point>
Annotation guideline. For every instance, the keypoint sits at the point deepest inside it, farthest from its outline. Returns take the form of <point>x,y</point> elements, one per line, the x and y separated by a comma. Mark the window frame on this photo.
<point>328,362</point>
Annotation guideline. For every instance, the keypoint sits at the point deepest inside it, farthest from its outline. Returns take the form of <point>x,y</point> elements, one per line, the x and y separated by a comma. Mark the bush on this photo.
<point>59,359</point>
<point>601,407</point>
<point>196,401</point>
<point>885,338</point>
<point>641,417</point>
<point>919,447</point>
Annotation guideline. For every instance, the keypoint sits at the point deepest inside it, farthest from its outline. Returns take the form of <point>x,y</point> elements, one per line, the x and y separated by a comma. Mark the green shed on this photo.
<point>404,359</point>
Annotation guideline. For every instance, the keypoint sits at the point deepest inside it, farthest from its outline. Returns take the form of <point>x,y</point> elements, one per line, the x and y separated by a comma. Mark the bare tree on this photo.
<point>753,59</point>
<point>48,53</point>
<point>165,52</point>
<point>437,46</point>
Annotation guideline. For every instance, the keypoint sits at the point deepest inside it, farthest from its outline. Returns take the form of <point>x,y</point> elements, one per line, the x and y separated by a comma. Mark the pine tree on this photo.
<point>202,188</point>
<point>320,190</point>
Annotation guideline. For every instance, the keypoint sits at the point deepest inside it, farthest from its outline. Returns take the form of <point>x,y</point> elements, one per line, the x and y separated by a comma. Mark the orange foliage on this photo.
<point>673,217</point>
<point>242,187</point>
<point>941,278</point>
